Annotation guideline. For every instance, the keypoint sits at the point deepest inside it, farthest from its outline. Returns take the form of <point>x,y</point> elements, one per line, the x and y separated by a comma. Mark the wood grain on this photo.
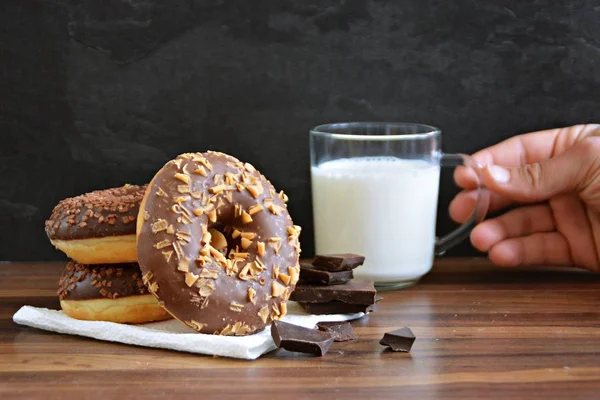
<point>482,332</point>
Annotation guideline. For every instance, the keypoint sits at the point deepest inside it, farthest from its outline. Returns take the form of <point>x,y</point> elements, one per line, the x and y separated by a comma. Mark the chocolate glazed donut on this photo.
<point>107,292</point>
<point>216,244</point>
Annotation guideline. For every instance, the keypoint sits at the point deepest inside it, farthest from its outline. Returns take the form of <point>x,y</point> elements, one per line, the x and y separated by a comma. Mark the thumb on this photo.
<point>542,180</point>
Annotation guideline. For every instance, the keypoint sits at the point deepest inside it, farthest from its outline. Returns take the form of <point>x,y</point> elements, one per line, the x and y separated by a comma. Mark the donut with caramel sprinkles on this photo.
<point>216,244</point>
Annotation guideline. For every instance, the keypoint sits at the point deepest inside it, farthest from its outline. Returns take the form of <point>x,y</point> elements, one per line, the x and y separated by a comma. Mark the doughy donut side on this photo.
<point>231,288</point>
<point>106,250</point>
<point>126,310</point>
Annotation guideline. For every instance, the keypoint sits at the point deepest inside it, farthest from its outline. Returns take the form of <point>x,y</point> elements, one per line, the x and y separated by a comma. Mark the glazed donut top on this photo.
<point>109,281</point>
<point>216,244</point>
<point>102,213</point>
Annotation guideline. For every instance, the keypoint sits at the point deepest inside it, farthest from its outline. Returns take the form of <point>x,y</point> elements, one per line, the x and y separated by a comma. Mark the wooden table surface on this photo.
<point>481,333</point>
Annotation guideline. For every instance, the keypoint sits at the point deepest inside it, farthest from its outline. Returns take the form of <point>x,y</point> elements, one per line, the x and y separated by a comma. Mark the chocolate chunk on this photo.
<point>399,340</point>
<point>338,262</point>
<point>299,339</point>
<point>341,330</point>
<point>337,307</point>
<point>355,291</point>
<point>310,274</point>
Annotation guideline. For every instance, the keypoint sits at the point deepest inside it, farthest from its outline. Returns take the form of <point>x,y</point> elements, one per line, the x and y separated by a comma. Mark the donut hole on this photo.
<point>221,238</point>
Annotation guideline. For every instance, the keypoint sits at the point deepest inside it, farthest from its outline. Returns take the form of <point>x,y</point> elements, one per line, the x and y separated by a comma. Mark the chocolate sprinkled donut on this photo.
<point>97,227</point>
<point>216,244</point>
<point>107,292</point>
<point>85,282</point>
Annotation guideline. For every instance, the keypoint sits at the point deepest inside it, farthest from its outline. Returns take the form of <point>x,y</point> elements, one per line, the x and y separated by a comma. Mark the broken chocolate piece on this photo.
<point>399,340</point>
<point>338,262</point>
<point>341,330</point>
<point>353,292</point>
<point>299,339</point>
<point>310,274</point>
<point>337,307</point>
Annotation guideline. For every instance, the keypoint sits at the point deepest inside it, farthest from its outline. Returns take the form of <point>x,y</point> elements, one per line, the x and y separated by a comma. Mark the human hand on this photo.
<point>553,177</point>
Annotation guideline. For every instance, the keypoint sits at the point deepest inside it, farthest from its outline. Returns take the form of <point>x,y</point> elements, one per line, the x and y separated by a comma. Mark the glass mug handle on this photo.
<point>482,203</point>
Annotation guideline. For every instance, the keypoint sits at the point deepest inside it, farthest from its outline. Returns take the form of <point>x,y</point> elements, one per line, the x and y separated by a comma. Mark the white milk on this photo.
<point>383,208</point>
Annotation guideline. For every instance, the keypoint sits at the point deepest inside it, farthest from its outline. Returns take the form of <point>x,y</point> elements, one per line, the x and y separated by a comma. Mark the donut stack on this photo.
<point>208,241</point>
<point>103,281</point>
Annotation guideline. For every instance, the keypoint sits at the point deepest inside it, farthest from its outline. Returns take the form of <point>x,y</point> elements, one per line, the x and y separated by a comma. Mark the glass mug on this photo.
<point>375,192</point>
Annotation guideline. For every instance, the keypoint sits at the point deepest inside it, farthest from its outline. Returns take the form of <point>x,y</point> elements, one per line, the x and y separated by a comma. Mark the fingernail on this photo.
<point>501,175</point>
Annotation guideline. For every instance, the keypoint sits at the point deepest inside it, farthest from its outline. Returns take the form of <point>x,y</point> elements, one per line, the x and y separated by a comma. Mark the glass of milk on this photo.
<point>375,191</point>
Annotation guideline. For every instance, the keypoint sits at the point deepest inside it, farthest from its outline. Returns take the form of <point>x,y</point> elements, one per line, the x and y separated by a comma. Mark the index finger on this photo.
<point>525,149</point>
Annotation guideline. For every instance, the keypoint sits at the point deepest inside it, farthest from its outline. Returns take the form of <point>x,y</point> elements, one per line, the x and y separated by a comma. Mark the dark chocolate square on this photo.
<point>337,307</point>
<point>310,274</point>
<point>299,339</point>
<point>338,262</point>
<point>355,291</point>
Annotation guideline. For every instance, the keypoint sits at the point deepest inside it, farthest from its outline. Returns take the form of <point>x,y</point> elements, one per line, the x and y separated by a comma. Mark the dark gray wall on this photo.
<point>98,93</point>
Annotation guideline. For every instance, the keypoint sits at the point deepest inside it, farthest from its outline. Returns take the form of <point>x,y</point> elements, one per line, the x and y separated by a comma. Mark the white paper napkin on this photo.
<point>170,334</point>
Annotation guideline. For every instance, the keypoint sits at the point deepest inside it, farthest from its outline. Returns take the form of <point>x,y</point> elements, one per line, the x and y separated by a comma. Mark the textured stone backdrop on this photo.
<point>99,93</point>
